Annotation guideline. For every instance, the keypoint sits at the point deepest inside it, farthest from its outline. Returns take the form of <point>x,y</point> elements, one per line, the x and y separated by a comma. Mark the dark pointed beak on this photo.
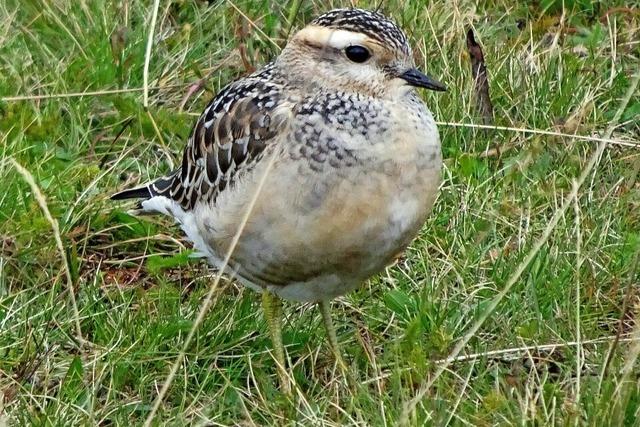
<point>416,78</point>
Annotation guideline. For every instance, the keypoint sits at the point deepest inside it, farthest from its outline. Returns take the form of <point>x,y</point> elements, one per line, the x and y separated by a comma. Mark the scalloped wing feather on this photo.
<point>227,140</point>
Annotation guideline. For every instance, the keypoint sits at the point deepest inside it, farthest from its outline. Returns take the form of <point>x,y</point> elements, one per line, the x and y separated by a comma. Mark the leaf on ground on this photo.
<point>157,263</point>
<point>73,385</point>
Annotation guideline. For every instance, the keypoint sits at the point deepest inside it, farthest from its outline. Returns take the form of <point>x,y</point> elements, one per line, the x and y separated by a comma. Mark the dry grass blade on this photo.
<point>625,306</point>
<point>253,24</point>
<point>209,298</point>
<point>83,94</point>
<point>579,260</point>
<point>165,149</point>
<point>147,55</point>
<point>515,352</point>
<point>42,202</point>
<point>409,406</point>
<point>625,387</point>
<point>607,140</point>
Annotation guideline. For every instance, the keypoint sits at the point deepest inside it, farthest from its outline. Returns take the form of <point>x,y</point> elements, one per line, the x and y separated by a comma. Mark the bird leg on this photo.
<point>325,310</point>
<point>272,306</point>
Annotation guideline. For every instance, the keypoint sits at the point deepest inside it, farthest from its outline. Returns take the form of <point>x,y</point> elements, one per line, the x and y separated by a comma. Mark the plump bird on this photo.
<point>326,162</point>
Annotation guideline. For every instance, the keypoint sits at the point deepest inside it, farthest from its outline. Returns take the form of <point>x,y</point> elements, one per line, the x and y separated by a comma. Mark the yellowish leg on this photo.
<point>272,306</point>
<point>325,310</point>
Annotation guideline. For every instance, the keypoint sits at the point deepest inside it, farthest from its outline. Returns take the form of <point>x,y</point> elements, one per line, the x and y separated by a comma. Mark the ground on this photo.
<point>515,305</point>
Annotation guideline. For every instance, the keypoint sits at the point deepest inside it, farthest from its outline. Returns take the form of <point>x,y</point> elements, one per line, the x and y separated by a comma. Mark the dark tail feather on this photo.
<point>133,193</point>
<point>159,187</point>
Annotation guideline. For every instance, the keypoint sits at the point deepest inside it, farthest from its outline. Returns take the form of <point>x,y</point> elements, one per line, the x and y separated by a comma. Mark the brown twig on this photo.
<point>242,32</point>
<point>481,81</point>
<point>615,10</point>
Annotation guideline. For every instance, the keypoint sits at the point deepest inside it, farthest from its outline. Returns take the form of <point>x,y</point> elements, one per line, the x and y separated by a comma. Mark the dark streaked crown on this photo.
<point>373,24</point>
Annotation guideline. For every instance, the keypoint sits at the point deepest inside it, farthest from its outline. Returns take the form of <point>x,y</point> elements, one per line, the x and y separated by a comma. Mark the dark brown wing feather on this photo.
<point>228,138</point>
<point>230,135</point>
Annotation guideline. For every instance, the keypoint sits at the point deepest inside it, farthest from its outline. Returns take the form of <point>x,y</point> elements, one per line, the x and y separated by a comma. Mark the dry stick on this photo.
<point>241,34</point>
<point>56,233</point>
<point>410,406</point>
<point>508,354</point>
<point>147,55</point>
<point>88,188</point>
<point>208,300</point>
<point>480,79</point>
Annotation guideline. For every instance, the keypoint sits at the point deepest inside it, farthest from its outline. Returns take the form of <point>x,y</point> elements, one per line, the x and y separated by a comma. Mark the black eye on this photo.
<point>357,53</point>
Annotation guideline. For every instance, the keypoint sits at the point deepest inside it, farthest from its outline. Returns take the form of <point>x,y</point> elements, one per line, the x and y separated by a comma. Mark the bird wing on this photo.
<point>229,137</point>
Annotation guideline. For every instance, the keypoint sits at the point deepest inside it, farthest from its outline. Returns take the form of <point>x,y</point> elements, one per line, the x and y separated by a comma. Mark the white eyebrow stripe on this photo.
<point>337,39</point>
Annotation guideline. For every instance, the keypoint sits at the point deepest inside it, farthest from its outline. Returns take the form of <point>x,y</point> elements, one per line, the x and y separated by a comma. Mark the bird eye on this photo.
<point>357,53</point>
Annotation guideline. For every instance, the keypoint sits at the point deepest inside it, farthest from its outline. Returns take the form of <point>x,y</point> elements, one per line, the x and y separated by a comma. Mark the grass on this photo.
<point>558,349</point>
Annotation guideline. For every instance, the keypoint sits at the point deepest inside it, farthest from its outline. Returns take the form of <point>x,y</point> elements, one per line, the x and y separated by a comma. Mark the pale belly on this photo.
<point>318,237</point>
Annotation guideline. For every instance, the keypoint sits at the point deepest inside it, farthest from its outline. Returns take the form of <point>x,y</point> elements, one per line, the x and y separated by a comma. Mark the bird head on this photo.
<point>354,50</point>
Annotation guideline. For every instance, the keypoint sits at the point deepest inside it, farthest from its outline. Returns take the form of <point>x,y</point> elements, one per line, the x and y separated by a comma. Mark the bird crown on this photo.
<point>373,24</point>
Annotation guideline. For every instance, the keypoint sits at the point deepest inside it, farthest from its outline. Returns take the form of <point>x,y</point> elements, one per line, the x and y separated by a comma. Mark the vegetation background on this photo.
<point>533,293</point>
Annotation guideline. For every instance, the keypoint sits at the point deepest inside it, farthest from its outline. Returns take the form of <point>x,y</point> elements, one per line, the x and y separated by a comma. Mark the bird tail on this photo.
<point>159,187</point>
<point>133,193</point>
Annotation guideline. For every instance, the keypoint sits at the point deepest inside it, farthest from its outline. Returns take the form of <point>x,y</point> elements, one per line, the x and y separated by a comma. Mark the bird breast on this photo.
<point>341,199</point>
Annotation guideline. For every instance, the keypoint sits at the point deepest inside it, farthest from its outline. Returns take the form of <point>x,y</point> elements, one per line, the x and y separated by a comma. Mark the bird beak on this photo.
<point>416,78</point>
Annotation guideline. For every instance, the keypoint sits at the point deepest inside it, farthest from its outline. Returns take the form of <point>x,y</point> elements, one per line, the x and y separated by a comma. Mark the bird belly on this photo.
<point>320,235</point>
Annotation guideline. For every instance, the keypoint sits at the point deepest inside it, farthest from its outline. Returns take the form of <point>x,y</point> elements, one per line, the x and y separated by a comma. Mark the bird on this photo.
<point>309,176</point>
